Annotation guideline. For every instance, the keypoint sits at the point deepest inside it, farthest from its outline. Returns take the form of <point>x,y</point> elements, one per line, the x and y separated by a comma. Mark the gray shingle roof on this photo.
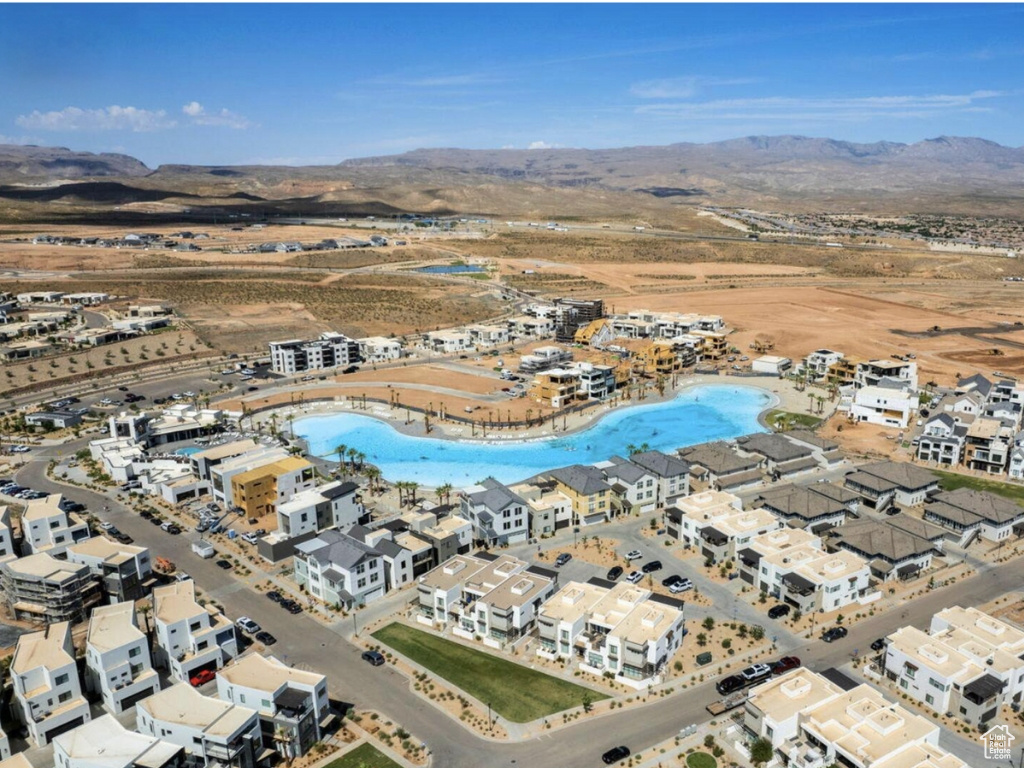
<point>977,383</point>
<point>985,506</point>
<point>584,480</point>
<point>627,472</point>
<point>798,501</point>
<point>495,496</point>
<point>879,539</point>
<point>773,446</point>
<point>661,464</point>
<point>338,549</point>
<point>904,475</point>
<point>719,458</point>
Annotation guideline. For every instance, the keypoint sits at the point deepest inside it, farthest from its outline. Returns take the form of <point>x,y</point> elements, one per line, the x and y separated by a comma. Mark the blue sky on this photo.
<point>300,84</point>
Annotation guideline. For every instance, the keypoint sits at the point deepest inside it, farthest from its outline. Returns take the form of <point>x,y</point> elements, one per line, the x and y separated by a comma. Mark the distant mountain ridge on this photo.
<point>946,173</point>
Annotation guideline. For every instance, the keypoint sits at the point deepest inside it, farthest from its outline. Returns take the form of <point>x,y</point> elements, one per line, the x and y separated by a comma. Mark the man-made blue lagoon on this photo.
<point>450,269</point>
<point>711,412</point>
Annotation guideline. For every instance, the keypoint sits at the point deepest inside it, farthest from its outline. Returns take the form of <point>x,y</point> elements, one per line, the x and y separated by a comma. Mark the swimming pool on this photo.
<point>710,412</point>
<point>449,269</point>
<point>189,450</point>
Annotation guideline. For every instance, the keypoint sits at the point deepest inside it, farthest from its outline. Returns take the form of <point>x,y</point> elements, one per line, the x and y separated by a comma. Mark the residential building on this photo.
<point>292,703</point>
<point>818,364</point>
<point>672,473</point>
<point>331,350</point>
<point>6,537</point>
<point>377,349</point>
<point>911,485</point>
<point>47,692</point>
<point>942,440</point>
<point>871,373</point>
<point>802,507</point>
<point>105,743</point>
<point>544,358</point>
<point>771,364</point>
<point>498,515</point>
<point>621,629</point>
<point>966,512</point>
<point>488,335</point>
<point>596,381</point>
<point>340,570</point>
<point>189,637</point>
<point>447,342</point>
<point>338,504</point>
<point>549,509</point>
<point>987,446</point>
<point>125,571</point>
<point>782,457</point>
<point>717,523</point>
<point>259,490</point>
<point>883,406</point>
<point>791,565</point>
<point>890,551</point>
<point>772,710</point>
<point>222,473</point>
<point>635,486</point>
<point>212,732</point>
<point>117,662</point>
<point>557,387</point>
<point>719,466</point>
<point>593,500</point>
<point>205,460</point>
<point>46,527</point>
<point>53,419</point>
<point>40,588</point>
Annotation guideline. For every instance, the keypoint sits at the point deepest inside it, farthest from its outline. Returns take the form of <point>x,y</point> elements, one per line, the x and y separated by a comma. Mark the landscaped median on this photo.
<point>518,694</point>
<point>364,756</point>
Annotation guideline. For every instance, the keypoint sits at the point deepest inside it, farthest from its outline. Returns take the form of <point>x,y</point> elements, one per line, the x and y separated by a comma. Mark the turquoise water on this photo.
<point>452,269</point>
<point>704,413</point>
<point>188,451</point>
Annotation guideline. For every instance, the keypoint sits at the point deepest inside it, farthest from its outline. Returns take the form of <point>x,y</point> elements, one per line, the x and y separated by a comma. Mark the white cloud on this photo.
<point>857,108</point>
<point>683,87</point>
<point>21,140</point>
<point>225,118</point>
<point>113,118</point>
<point>542,145</point>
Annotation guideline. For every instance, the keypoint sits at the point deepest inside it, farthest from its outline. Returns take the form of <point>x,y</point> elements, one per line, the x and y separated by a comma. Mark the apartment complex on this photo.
<point>716,522</point>
<point>330,350</point>
<point>259,490</point>
<point>40,588</point>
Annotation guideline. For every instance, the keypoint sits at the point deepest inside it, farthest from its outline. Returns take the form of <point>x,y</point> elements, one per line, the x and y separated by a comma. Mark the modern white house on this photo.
<point>124,570</point>
<point>46,527</point>
<point>716,522</point>
<point>816,366</point>
<point>47,692</point>
<point>635,486</point>
<point>378,349</point>
<point>330,350</point>
<point>189,637</point>
<point>772,710</point>
<point>7,551</point>
<point>340,570</point>
<point>222,473</point>
<point>292,703</point>
<point>338,504</point>
<point>117,661</point>
<point>883,406</point>
<point>105,743</point>
<point>212,732</point>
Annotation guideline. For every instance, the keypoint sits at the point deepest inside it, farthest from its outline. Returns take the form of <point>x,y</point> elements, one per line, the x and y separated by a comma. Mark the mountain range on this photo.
<point>945,174</point>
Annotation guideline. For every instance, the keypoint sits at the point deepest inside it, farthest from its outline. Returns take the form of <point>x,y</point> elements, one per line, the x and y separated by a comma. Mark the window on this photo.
<point>936,684</point>
<point>361,583</point>
<point>929,698</point>
<point>769,731</point>
<point>265,703</point>
<point>61,679</point>
<point>910,671</point>
<point>66,696</point>
<point>904,683</point>
<point>134,652</point>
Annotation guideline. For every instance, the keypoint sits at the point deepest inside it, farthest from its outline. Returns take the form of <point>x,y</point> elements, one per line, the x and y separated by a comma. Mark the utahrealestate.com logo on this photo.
<point>998,742</point>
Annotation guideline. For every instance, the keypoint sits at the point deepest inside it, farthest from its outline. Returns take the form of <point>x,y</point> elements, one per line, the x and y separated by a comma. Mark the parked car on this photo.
<point>879,644</point>
<point>202,677</point>
<point>778,611</point>
<point>562,559</point>
<point>224,565</point>
<point>376,658</point>
<point>669,581</point>
<point>634,577</point>
<point>123,537</point>
<point>291,606</point>
<point>683,585</point>
<point>250,538</point>
<point>275,596</point>
<point>615,754</point>
<point>756,672</point>
<point>107,526</point>
<point>833,634</point>
<point>651,567</point>
<point>636,554</point>
<point>785,664</point>
<point>266,638</point>
<point>246,624</point>
<point>730,684</point>
<point>614,572</point>
<point>181,576</point>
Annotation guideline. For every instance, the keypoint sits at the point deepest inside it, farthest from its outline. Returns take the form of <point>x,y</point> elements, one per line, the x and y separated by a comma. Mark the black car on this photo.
<point>253,389</point>
<point>668,581</point>
<point>878,645</point>
<point>376,658</point>
<point>224,565</point>
<point>651,567</point>
<point>275,596</point>
<point>124,538</point>
<point>778,611</point>
<point>836,633</point>
<point>122,389</point>
<point>145,514</point>
<point>615,754</point>
<point>614,573</point>
<point>159,400</point>
<point>292,607</point>
<point>155,520</point>
<point>266,638</point>
<point>562,559</point>
<point>351,369</point>
<point>174,530</point>
<point>730,684</point>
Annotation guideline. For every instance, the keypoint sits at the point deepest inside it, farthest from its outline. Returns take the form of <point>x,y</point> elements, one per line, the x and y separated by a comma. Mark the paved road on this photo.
<point>304,641</point>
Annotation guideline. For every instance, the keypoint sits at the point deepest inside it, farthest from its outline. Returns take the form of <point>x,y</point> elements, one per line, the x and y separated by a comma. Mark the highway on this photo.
<point>303,641</point>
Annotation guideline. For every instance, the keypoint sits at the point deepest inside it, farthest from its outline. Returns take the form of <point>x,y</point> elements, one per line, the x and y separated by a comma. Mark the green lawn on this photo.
<point>701,760</point>
<point>364,756</point>
<point>791,420</point>
<point>516,693</point>
<point>950,481</point>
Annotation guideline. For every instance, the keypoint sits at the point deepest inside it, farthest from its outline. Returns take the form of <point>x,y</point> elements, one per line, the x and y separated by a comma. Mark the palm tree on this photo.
<point>412,485</point>
<point>361,457</point>
<point>340,450</point>
<point>352,453</point>
<point>444,492</point>
<point>400,487</point>
<point>372,475</point>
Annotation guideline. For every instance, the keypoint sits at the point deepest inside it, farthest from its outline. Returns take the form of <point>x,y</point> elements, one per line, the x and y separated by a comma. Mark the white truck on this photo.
<point>203,548</point>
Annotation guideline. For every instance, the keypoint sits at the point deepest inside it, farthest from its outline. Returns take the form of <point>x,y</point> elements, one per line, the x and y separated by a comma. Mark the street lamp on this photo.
<point>490,722</point>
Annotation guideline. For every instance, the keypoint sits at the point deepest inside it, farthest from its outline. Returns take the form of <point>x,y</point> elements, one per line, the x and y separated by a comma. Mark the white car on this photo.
<point>20,449</point>
<point>106,526</point>
<point>636,554</point>
<point>249,538</point>
<point>634,577</point>
<point>190,394</point>
<point>247,625</point>
<point>681,586</point>
<point>181,576</point>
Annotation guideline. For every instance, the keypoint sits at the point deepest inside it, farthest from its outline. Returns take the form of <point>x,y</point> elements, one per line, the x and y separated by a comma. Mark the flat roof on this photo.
<point>110,551</point>
<point>573,601</point>
<point>236,448</point>
<point>45,648</point>
<point>105,743</point>
<point>45,566</point>
<point>266,673</point>
<point>184,705</point>
<point>787,695</point>
<point>113,626</point>
<point>176,602</point>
